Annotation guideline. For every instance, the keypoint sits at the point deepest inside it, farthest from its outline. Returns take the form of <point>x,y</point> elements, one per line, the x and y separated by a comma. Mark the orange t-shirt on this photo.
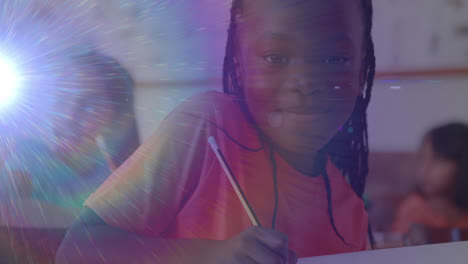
<point>416,210</point>
<point>174,187</point>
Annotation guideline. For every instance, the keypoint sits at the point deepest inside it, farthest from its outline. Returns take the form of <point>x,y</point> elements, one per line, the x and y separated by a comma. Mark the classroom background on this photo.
<point>174,49</point>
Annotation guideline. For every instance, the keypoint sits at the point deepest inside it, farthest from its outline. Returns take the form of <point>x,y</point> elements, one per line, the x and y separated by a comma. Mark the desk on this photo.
<point>28,213</point>
<point>450,253</point>
<point>31,231</point>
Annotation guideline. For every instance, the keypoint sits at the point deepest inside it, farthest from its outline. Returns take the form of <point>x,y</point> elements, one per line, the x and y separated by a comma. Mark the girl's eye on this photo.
<point>337,60</point>
<point>276,59</point>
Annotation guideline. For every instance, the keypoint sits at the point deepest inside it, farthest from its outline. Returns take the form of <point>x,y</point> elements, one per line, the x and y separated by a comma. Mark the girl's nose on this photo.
<point>304,78</point>
<point>305,85</point>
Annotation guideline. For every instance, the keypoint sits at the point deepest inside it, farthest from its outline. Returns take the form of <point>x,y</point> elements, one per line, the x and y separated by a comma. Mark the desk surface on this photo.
<point>29,213</point>
<point>450,253</point>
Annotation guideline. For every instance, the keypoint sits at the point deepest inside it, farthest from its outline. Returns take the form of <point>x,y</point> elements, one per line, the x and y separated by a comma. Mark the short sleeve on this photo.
<point>146,193</point>
<point>410,207</point>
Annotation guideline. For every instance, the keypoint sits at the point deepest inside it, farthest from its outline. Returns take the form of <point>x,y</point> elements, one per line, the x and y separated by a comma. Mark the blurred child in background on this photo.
<point>93,132</point>
<point>441,200</point>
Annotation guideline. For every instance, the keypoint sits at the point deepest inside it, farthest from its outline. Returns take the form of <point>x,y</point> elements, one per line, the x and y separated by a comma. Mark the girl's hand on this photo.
<point>257,245</point>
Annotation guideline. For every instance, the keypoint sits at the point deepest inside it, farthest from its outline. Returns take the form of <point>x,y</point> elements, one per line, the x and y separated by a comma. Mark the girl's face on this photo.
<point>300,64</point>
<point>435,174</point>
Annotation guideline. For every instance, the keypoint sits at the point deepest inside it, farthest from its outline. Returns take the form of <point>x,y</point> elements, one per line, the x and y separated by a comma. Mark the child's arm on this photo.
<point>141,199</point>
<point>91,240</point>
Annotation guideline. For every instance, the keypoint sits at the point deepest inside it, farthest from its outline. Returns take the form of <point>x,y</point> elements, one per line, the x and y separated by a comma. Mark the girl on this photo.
<point>442,198</point>
<point>292,126</point>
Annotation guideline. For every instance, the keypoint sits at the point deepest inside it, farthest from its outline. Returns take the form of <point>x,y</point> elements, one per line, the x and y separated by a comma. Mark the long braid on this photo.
<point>320,164</point>
<point>230,82</point>
<point>348,149</point>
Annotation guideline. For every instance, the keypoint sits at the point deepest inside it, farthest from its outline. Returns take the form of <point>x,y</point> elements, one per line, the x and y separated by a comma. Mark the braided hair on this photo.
<point>348,149</point>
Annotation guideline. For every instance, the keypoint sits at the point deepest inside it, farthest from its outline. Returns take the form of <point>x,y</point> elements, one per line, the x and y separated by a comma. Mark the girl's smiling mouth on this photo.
<point>296,115</point>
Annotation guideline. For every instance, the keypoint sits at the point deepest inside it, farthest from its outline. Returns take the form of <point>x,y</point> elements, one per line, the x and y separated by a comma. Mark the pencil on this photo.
<point>234,183</point>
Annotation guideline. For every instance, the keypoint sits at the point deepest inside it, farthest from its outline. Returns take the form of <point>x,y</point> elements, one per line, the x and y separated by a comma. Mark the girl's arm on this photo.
<point>91,240</point>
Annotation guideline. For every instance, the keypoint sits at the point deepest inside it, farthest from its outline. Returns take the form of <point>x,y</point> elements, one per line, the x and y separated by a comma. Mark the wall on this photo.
<point>421,34</point>
<point>399,117</point>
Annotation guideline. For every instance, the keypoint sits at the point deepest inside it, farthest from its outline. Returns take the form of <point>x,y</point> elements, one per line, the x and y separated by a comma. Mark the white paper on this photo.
<point>452,253</point>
